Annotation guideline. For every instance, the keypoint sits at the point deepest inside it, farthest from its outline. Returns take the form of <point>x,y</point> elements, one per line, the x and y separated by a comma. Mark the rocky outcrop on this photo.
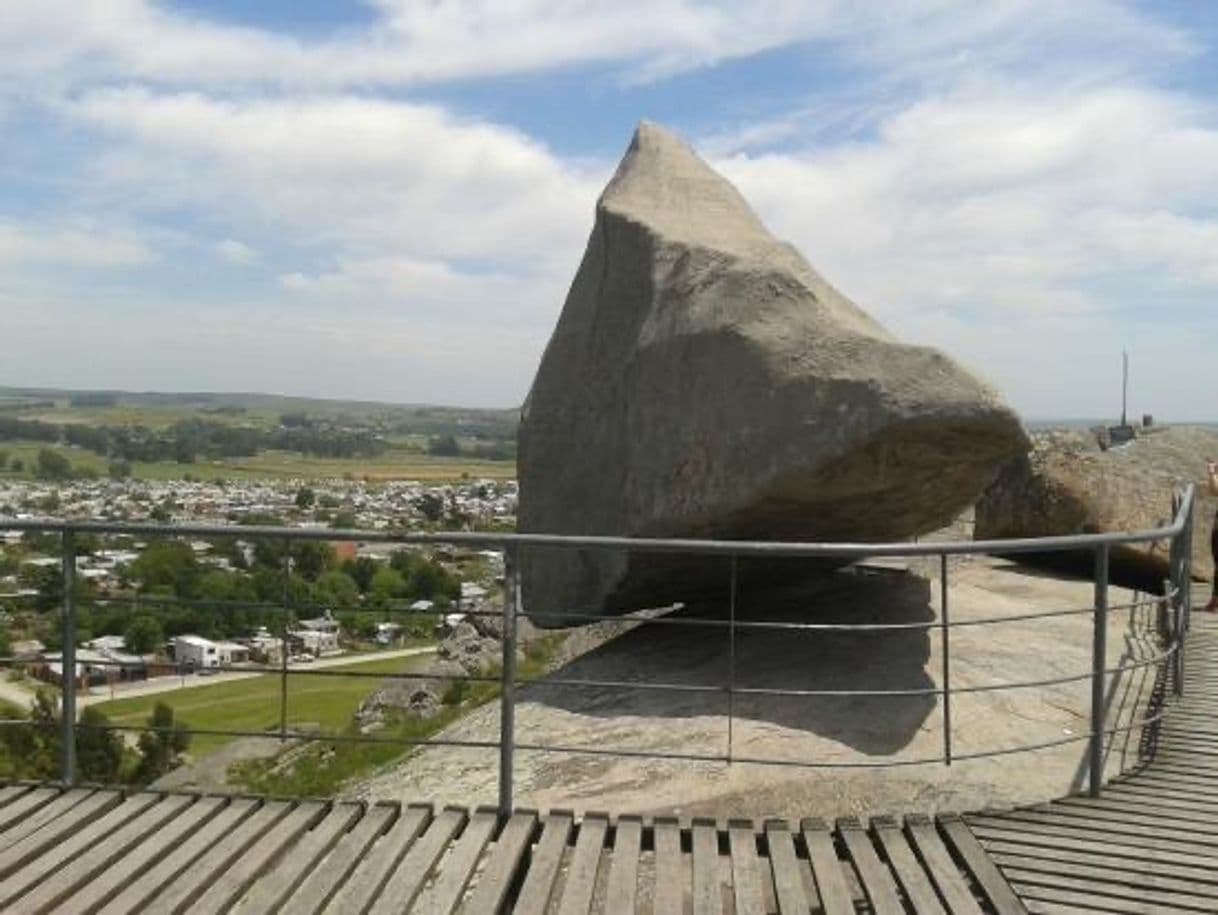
<point>705,381</point>
<point>1068,484</point>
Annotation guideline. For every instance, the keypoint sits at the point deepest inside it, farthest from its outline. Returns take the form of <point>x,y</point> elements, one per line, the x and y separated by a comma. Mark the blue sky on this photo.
<point>387,199</point>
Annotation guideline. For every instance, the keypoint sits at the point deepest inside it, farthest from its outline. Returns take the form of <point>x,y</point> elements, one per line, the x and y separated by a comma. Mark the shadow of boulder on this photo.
<point>681,651</point>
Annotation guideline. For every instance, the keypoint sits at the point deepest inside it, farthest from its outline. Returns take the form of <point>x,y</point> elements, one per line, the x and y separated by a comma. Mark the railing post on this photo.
<point>946,645</point>
<point>731,663</point>
<point>507,682</point>
<point>67,711</point>
<point>1099,657</point>
<point>283,643</point>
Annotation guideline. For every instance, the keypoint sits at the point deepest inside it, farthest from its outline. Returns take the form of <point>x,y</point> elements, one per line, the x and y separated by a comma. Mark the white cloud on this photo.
<point>236,252</point>
<point>344,170</point>
<point>79,244</point>
<point>1033,235</point>
<point>411,42</point>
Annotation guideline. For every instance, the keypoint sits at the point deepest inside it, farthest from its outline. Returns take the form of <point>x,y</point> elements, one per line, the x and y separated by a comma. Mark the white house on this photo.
<point>195,652</point>
<point>317,636</point>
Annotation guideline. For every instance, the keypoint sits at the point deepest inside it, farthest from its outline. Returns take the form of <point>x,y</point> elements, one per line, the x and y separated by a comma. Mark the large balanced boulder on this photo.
<point>1068,484</point>
<point>704,381</point>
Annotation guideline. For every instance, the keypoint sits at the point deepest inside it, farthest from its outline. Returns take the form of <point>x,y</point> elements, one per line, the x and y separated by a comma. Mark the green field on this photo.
<point>394,464</point>
<point>253,704</point>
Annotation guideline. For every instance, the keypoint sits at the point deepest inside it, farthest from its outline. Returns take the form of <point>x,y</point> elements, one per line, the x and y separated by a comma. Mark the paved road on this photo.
<point>23,696</point>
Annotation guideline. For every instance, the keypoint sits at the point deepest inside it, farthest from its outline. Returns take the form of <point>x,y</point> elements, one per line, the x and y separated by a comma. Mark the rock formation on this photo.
<point>1067,484</point>
<point>704,381</point>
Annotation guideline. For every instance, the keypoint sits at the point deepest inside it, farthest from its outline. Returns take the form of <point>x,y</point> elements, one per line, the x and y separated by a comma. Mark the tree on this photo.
<point>305,498</point>
<point>388,583</point>
<point>144,635</point>
<point>52,465</point>
<point>120,470</point>
<point>17,465</point>
<point>344,520</point>
<point>337,588</point>
<point>444,446</point>
<point>99,750</point>
<point>162,747</point>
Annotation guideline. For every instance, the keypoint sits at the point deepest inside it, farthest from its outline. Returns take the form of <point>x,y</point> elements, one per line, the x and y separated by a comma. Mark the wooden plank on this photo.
<point>707,896</point>
<point>1120,845</point>
<point>875,878</point>
<point>36,865</point>
<point>624,865</point>
<point>984,872</point>
<point>1115,830</point>
<point>29,801</point>
<point>229,885</point>
<point>1104,895</point>
<point>503,864</point>
<point>1058,899</point>
<point>453,877</point>
<point>944,874</point>
<point>1192,817</point>
<point>746,875</point>
<point>210,865</point>
<point>407,879</point>
<point>379,863</point>
<point>71,873</point>
<point>830,879</point>
<point>137,895</point>
<point>271,890</point>
<point>138,860</point>
<point>1144,885</point>
<point>1132,859</point>
<point>581,875</point>
<point>33,810</point>
<point>324,881</point>
<point>787,868</point>
<point>543,868</point>
<point>913,879</point>
<point>1127,868</point>
<point>10,793</point>
<point>670,867</point>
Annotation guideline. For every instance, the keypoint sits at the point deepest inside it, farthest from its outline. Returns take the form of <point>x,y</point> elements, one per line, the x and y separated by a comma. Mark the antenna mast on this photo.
<point>1124,385</point>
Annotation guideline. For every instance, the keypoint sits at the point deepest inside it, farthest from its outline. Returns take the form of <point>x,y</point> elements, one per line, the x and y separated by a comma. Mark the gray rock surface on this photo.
<point>703,380</point>
<point>1067,484</point>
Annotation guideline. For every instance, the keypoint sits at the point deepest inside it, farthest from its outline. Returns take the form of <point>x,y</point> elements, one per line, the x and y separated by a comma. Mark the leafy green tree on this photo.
<point>337,588</point>
<point>52,465</point>
<point>388,583</point>
<point>99,751</point>
<point>144,635</point>
<point>161,749</point>
<point>305,498</point>
<point>168,566</point>
<point>361,569</point>
<point>17,465</point>
<point>119,470</point>
<point>444,446</point>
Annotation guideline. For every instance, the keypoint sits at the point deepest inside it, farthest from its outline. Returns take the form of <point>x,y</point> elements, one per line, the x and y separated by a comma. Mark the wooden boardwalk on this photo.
<point>1150,842</point>
<point>84,851</point>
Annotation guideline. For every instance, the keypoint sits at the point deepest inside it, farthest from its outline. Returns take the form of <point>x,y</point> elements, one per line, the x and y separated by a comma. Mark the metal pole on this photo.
<point>731,663</point>
<point>945,634</point>
<point>1099,654</point>
<point>67,713</point>
<point>507,681</point>
<point>283,644</point>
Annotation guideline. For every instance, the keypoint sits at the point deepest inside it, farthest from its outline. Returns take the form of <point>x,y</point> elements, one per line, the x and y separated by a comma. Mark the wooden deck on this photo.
<point>1150,842</point>
<point>84,851</point>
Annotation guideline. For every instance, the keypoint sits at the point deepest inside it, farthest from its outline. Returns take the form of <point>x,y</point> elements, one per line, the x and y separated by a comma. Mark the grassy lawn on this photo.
<point>253,704</point>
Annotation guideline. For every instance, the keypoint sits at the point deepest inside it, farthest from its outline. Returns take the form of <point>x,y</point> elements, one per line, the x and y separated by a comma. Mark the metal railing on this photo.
<point>1173,609</point>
